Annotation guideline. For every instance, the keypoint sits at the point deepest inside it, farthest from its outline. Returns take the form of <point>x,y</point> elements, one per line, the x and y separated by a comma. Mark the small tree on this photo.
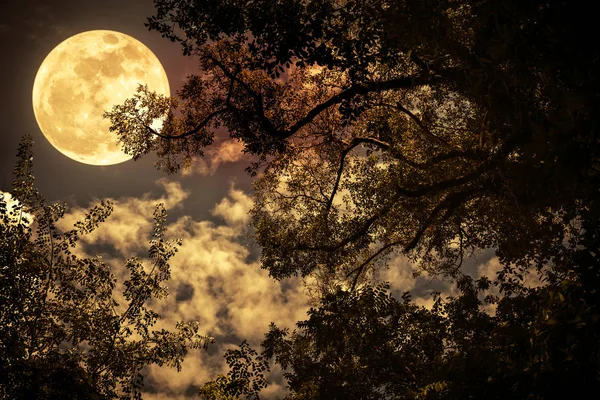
<point>63,333</point>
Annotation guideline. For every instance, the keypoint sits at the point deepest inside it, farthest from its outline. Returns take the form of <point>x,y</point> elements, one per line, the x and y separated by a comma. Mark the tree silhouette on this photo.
<point>64,333</point>
<point>364,344</point>
<point>246,376</point>
<point>431,129</point>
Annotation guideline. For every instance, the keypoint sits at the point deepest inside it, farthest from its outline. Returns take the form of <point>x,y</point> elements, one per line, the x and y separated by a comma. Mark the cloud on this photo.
<point>490,269</point>
<point>234,210</point>
<point>4,28</point>
<point>228,151</point>
<point>216,280</point>
<point>484,264</point>
<point>399,274</point>
<point>131,221</point>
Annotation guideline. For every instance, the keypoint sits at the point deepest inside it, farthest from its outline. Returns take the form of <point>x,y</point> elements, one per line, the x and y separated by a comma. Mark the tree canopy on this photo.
<point>66,331</point>
<point>364,344</point>
<point>431,128</point>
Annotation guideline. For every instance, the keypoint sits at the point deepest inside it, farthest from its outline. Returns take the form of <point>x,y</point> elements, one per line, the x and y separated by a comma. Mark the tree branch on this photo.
<point>301,195</point>
<point>419,123</point>
<point>398,83</point>
<point>473,155</point>
<point>450,204</point>
<point>360,268</point>
<point>355,142</point>
<point>419,191</point>
<point>258,100</point>
<point>208,118</point>
<point>191,132</point>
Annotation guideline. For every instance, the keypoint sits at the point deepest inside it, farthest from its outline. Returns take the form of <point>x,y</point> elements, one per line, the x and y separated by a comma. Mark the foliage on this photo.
<point>362,345</point>
<point>432,128</point>
<point>541,344</point>
<point>245,377</point>
<point>65,330</point>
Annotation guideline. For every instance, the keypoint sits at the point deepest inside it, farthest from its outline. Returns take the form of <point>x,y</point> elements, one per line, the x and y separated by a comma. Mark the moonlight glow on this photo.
<point>80,79</point>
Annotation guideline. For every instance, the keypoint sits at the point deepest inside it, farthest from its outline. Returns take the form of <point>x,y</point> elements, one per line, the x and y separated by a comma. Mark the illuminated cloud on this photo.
<point>399,274</point>
<point>235,209</point>
<point>216,280</point>
<point>131,221</point>
<point>490,269</point>
<point>229,151</point>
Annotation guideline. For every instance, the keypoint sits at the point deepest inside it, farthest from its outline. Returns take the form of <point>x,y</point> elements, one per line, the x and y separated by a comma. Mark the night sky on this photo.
<point>216,276</point>
<point>205,201</point>
<point>29,30</point>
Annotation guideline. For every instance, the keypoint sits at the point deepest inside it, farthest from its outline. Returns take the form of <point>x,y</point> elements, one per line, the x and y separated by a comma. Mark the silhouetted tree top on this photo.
<point>433,128</point>
<point>65,329</point>
<point>364,344</point>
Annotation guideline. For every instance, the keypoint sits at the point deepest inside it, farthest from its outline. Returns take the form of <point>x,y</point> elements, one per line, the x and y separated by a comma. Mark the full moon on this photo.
<point>81,78</point>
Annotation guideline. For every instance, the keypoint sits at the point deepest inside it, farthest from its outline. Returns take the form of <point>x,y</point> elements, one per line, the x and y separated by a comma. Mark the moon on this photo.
<point>81,78</point>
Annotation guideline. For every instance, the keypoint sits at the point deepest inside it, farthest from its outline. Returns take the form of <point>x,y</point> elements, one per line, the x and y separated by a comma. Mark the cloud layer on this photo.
<point>215,280</point>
